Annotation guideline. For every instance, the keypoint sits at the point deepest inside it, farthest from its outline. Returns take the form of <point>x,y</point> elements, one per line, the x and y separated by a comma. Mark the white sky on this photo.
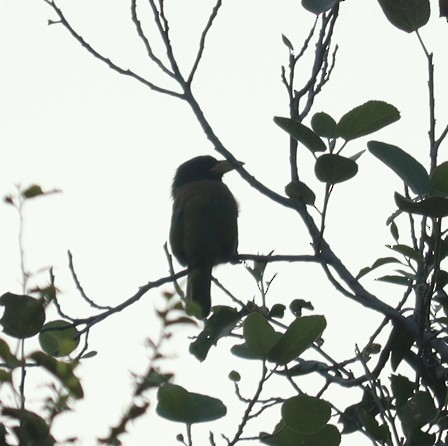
<point>111,145</point>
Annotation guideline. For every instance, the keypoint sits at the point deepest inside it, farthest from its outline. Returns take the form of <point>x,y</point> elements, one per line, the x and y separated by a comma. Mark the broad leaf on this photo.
<point>259,334</point>
<point>416,412</point>
<point>439,178</point>
<point>402,388</point>
<point>404,165</point>
<point>283,435</point>
<point>334,169</point>
<point>301,133</point>
<point>32,430</point>
<point>306,414</point>
<point>58,338</point>
<point>300,191</point>
<point>318,6</point>
<point>407,15</point>
<point>298,337</point>
<point>434,207</point>
<point>218,325</point>
<point>324,125</point>
<point>23,316</point>
<point>178,404</point>
<point>366,118</point>
<point>376,264</point>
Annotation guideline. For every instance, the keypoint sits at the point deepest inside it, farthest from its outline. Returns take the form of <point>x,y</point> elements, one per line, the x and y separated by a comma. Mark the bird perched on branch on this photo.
<point>204,229</point>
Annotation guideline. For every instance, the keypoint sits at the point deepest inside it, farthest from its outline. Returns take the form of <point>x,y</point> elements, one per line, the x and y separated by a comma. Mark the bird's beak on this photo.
<point>222,167</point>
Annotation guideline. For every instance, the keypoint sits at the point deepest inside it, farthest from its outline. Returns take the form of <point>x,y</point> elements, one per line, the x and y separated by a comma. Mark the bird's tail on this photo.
<point>198,291</point>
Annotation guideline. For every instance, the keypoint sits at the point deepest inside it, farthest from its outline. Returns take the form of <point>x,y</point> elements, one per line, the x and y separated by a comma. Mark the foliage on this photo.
<point>394,410</point>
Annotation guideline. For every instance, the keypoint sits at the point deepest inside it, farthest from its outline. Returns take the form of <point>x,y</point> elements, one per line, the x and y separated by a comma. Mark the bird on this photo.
<point>204,229</point>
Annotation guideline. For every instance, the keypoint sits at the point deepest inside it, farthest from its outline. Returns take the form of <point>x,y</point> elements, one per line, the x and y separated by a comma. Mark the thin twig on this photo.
<point>145,40</point>
<point>209,24</point>
<point>112,65</point>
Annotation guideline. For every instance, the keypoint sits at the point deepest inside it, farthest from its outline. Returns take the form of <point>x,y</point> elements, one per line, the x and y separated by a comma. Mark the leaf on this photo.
<point>259,334</point>
<point>396,280</point>
<point>324,125</point>
<point>434,207</point>
<point>178,404</point>
<point>334,169</point>
<point>300,191</point>
<point>407,15</point>
<point>416,412</point>
<point>407,251</point>
<point>402,388</point>
<point>283,435</point>
<point>23,316</point>
<point>58,338</point>
<point>318,6</point>
<point>439,178</point>
<point>32,191</point>
<point>443,8</point>
<point>219,324</point>
<point>376,264</point>
<point>400,344</point>
<point>301,133</point>
<point>287,42</point>
<point>298,337</point>
<point>404,165</point>
<point>306,414</point>
<point>243,351</point>
<point>366,118</point>
<point>63,371</point>
<point>32,429</point>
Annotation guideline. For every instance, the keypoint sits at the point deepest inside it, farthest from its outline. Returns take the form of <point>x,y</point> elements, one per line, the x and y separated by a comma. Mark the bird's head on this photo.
<point>200,168</point>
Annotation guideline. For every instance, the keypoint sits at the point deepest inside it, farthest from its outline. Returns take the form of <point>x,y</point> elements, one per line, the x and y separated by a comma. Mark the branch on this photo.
<point>63,21</point>
<point>93,320</point>
<point>202,41</point>
<point>143,37</point>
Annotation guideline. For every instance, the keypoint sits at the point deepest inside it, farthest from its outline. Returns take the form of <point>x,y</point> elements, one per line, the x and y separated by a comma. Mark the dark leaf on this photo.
<point>324,125</point>
<point>366,118</point>
<point>404,165</point>
<point>283,435</point>
<point>439,178</point>
<point>407,251</point>
<point>334,169</point>
<point>402,388</point>
<point>259,334</point>
<point>178,404</point>
<point>416,412</point>
<point>287,42</point>
<point>433,207</point>
<point>301,133</point>
<point>376,264</point>
<point>218,325</point>
<point>318,6</point>
<point>407,15</point>
<point>306,414</point>
<point>443,8</point>
<point>300,191</point>
<point>24,316</point>
<point>298,337</point>
<point>400,343</point>
<point>32,429</point>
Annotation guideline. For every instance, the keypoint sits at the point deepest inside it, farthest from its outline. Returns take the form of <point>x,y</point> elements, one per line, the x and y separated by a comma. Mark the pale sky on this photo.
<point>111,146</point>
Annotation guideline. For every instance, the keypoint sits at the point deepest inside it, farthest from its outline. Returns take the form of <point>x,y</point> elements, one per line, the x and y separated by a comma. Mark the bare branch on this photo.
<point>63,21</point>
<point>145,40</point>
<point>163,27</point>
<point>202,41</point>
<point>93,320</point>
